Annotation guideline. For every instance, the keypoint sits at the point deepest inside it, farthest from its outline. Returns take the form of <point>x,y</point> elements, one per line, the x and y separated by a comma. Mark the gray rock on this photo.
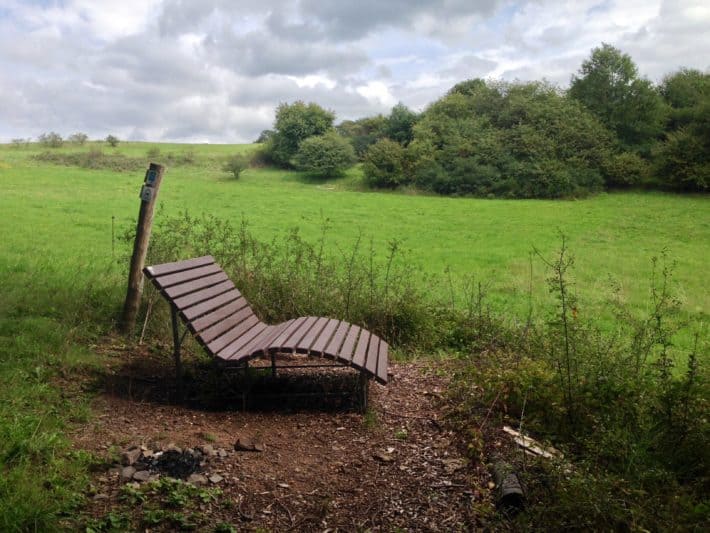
<point>215,478</point>
<point>172,447</point>
<point>101,496</point>
<point>130,456</point>
<point>222,452</point>
<point>127,472</point>
<point>142,475</point>
<point>244,444</point>
<point>197,479</point>
<point>208,450</point>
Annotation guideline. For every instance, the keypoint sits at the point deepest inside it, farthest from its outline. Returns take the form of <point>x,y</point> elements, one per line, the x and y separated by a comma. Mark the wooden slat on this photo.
<point>346,351</point>
<point>276,343</point>
<point>337,341</point>
<point>177,266</point>
<point>371,361</point>
<point>198,310</point>
<point>235,346</point>
<point>294,340</point>
<point>222,327</point>
<point>191,286</point>
<point>382,354</point>
<point>325,336</point>
<point>310,338</point>
<point>360,355</point>
<point>200,296</point>
<point>218,315</point>
<point>237,331</point>
<point>188,275</point>
<point>258,343</point>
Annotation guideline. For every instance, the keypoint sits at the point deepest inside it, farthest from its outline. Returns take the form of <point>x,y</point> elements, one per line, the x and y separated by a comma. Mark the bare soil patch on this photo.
<point>323,466</point>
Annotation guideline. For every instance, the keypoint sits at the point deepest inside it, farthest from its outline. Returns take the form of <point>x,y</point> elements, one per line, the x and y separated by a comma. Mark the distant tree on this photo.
<point>524,140</point>
<point>363,132</point>
<point>684,92</point>
<point>324,155</point>
<point>50,140</point>
<point>236,164</point>
<point>264,136</point>
<point>609,85</point>
<point>682,159</point>
<point>78,138</point>
<point>153,152</point>
<point>17,143</point>
<point>400,124</point>
<point>112,141</point>
<point>295,123</point>
<point>383,164</point>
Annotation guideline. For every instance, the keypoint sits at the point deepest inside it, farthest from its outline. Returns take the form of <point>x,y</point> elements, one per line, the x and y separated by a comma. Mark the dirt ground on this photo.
<point>324,466</point>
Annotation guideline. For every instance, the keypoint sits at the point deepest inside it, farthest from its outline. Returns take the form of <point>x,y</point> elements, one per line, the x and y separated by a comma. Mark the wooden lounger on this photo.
<point>221,320</point>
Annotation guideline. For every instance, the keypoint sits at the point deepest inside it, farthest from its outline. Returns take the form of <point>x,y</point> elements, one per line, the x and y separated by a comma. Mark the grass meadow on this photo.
<point>61,283</point>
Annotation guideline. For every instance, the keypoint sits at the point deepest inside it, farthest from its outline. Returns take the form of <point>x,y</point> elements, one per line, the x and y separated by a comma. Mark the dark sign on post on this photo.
<point>148,194</point>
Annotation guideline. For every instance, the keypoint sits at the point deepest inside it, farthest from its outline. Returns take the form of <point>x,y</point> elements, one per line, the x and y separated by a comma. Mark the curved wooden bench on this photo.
<point>221,320</point>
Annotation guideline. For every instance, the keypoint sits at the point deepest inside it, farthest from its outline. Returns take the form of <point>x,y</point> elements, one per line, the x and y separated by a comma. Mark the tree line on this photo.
<point>611,129</point>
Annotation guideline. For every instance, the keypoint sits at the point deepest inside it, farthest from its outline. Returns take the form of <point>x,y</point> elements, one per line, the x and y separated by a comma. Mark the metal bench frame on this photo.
<point>204,298</point>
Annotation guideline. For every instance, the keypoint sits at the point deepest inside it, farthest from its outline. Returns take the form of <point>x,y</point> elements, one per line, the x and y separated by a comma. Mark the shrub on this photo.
<point>522,140</point>
<point>295,123</point>
<point>236,164</point>
<point>626,170</point>
<point>289,277</point>
<point>50,140</point>
<point>324,155</point>
<point>264,136</point>
<point>153,152</point>
<point>383,164</point>
<point>630,425</point>
<point>78,138</point>
<point>112,141</point>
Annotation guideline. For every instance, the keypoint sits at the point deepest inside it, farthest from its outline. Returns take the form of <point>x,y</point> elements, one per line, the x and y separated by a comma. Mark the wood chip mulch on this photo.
<point>398,467</point>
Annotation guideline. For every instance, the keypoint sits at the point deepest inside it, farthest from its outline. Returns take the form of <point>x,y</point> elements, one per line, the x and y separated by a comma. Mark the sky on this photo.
<point>215,70</point>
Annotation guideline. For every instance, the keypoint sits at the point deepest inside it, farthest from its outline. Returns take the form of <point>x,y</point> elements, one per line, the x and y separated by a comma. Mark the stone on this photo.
<point>142,475</point>
<point>222,453</point>
<point>147,453</point>
<point>208,450</point>
<point>130,456</point>
<point>215,478</point>
<point>127,472</point>
<point>197,479</point>
<point>101,496</point>
<point>172,447</point>
<point>244,444</point>
<point>383,456</point>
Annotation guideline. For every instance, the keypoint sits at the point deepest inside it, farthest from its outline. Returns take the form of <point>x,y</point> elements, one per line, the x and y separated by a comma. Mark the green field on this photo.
<point>63,216</point>
<point>62,284</point>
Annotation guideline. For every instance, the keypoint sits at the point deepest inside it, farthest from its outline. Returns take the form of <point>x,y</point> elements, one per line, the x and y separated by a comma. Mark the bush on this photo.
<point>383,164</point>
<point>94,159</point>
<point>50,140</point>
<point>324,155</point>
<point>295,123</point>
<point>626,169</point>
<point>236,164</point>
<point>289,277</point>
<point>112,141</point>
<point>630,424</point>
<point>78,138</point>
<point>520,140</point>
<point>153,152</point>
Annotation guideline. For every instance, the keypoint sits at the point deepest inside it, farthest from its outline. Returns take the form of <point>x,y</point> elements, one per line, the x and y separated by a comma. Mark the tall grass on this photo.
<point>628,408</point>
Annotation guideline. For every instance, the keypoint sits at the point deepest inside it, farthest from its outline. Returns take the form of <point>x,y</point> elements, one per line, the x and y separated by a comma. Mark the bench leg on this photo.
<point>363,385</point>
<point>176,351</point>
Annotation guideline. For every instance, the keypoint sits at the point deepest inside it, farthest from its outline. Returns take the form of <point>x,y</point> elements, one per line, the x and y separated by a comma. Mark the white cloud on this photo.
<point>215,70</point>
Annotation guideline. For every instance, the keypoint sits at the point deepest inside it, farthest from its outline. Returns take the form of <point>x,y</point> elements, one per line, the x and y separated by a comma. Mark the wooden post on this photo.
<point>149,193</point>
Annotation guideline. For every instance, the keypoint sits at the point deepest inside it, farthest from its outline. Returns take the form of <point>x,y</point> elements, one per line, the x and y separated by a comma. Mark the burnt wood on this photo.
<point>222,321</point>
